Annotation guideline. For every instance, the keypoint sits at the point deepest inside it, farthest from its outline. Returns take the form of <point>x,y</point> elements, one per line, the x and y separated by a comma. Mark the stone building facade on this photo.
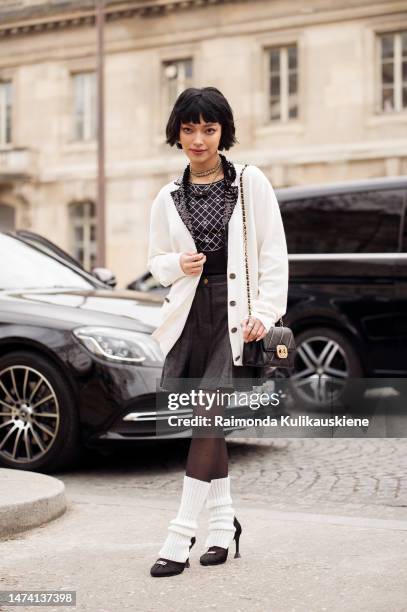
<point>318,89</point>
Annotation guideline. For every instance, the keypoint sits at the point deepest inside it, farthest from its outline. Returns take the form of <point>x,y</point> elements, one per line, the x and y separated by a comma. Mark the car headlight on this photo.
<point>120,345</point>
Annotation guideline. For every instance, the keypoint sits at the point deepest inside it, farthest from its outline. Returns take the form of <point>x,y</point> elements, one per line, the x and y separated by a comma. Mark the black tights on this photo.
<point>208,456</point>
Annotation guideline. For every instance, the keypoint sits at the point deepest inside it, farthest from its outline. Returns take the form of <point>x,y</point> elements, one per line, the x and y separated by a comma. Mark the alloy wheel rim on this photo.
<point>29,414</point>
<point>321,370</point>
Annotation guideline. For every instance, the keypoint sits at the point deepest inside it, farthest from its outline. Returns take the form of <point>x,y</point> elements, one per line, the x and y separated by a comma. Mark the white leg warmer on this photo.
<point>184,525</point>
<point>219,503</point>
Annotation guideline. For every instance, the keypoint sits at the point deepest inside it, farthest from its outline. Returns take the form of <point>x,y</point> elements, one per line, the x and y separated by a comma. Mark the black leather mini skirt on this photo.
<point>203,352</point>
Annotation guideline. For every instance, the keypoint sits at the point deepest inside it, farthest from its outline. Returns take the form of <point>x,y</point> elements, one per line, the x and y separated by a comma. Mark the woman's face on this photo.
<point>200,141</point>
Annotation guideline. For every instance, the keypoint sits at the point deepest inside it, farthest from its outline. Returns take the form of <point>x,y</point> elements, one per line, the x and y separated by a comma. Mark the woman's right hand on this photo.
<point>192,263</point>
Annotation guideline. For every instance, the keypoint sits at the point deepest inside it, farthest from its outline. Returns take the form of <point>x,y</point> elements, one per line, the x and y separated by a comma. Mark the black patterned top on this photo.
<point>231,193</point>
<point>206,210</point>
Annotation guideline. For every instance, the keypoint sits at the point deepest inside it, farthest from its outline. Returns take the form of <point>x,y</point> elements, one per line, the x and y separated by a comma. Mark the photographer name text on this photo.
<point>281,421</point>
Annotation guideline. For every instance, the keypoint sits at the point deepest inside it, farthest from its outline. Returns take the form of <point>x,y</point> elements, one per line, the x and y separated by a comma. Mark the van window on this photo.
<point>358,222</point>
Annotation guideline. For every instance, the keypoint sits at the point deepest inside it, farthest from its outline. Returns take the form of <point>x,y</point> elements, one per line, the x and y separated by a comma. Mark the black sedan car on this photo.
<point>77,361</point>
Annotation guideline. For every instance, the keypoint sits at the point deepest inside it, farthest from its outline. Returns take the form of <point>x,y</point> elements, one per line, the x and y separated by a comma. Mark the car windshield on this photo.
<point>23,267</point>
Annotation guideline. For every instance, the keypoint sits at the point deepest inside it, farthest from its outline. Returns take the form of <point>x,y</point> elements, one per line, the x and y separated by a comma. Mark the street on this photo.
<point>315,514</point>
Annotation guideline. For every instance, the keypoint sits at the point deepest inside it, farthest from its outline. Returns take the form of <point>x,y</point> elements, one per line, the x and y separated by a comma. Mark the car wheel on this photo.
<point>324,362</point>
<point>39,428</point>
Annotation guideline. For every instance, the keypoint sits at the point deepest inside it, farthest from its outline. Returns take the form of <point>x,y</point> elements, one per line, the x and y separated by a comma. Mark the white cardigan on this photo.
<point>267,255</point>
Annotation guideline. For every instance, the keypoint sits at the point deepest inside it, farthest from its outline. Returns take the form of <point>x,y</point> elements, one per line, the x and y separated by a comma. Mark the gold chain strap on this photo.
<point>245,244</point>
<point>245,240</point>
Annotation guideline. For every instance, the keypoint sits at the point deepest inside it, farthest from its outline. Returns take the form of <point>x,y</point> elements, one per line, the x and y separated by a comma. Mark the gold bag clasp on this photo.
<point>282,351</point>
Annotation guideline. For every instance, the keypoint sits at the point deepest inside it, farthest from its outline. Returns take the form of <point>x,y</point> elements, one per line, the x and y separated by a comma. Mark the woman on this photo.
<point>196,247</point>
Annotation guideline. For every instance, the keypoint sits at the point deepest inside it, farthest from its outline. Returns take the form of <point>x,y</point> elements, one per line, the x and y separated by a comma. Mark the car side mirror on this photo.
<point>105,275</point>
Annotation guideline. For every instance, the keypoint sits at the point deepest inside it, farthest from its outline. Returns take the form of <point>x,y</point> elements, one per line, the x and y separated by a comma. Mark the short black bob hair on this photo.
<point>208,102</point>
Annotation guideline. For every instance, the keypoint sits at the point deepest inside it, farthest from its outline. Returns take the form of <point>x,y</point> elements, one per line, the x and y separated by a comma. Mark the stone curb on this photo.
<point>28,499</point>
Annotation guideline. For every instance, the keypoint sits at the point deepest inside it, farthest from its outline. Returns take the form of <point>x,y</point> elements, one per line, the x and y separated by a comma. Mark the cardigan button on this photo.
<point>232,303</point>
<point>167,299</point>
<point>237,358</point>
<point>233,330</point>
<point>232,275</point>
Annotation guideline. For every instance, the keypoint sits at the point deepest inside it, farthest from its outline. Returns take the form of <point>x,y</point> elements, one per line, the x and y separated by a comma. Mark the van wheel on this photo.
<point>324,362</point>
<point>39,427</point>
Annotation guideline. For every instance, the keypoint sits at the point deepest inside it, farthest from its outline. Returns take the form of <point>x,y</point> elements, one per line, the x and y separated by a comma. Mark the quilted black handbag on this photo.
<point>277,348</point>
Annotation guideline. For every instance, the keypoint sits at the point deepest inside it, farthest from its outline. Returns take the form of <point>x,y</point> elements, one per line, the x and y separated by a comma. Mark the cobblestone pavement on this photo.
<point>325,475</point>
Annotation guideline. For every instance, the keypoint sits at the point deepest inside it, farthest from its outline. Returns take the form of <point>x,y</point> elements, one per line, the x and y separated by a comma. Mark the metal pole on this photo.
<point>100,209</point>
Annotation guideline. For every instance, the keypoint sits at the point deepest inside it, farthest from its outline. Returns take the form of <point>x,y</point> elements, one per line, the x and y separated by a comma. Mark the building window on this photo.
<point>177,76</point>
<point>85,106</point>
<point>283,83</point>
<point>393,71</point>
<point>5,112</point>
<point>82,217</point>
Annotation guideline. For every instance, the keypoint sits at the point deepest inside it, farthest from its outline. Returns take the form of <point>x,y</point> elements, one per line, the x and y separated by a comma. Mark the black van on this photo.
<point>347,245</point>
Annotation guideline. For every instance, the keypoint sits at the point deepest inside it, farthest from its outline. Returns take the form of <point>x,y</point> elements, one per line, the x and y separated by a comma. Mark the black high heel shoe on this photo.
<point>167,567</point>
<point>216,554</point>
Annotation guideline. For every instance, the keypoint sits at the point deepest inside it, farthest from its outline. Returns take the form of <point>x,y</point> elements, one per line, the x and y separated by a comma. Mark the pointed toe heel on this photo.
<point>215,555</point>
<point>167,567</point>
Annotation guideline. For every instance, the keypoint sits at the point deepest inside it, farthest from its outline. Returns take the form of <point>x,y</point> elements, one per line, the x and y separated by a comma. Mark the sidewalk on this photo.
<point>104,545</point>
<point>28,499</point>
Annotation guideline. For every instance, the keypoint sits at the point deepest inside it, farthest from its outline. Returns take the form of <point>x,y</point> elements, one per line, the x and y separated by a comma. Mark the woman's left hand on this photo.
<point>253,329</point>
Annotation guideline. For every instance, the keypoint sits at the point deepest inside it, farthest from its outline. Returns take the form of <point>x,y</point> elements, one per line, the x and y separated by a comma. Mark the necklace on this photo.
<point>204,192</point>
<point>206,172</point>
